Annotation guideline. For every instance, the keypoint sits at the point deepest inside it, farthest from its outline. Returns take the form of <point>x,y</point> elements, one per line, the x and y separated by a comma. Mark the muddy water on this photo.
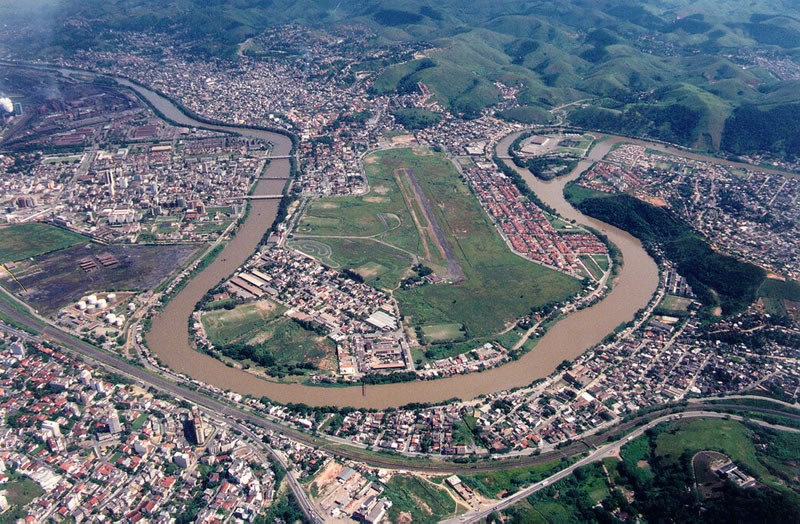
<point>168,338</point>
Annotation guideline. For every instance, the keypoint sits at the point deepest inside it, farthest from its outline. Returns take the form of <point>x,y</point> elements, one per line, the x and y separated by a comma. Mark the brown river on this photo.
<point>169,340</point>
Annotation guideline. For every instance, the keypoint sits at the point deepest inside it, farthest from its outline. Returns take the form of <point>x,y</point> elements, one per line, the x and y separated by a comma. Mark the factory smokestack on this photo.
<point>6,105</point>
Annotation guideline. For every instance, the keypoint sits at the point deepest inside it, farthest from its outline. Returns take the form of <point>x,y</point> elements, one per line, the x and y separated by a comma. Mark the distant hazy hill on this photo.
<point>673,69</point>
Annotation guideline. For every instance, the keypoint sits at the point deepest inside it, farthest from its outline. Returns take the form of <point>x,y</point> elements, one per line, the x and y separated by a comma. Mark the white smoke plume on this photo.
<point>6,105</point>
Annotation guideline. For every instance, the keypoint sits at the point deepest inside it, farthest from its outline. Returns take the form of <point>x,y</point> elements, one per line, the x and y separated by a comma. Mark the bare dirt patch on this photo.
<point>652,200</point>
<point>381,190</point>
<point>403,140</point>
<point>266,305</point>
<point>376,199</point>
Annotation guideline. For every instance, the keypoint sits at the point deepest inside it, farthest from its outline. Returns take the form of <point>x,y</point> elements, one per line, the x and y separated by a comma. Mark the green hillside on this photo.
<point>672,69</point>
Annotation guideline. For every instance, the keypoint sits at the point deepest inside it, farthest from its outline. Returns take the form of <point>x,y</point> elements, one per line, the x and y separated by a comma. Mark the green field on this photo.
<point>443,332</point>
<point>226,326</point>
<point>493,275</point>
<point>20,491</point>
<point>774,293</point>
<point>655,479</point>
<point>422,500</point>
<point>673,305</point>
<point>30,240</point>
<point>725,436</point>
<point>510,480</point>
<point>258,333</point>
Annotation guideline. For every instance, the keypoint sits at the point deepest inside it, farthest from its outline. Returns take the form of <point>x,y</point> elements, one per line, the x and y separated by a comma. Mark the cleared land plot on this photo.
<point>674,304</point>
<point>499,286</point>
<point>225,326</point>
<point>290,344</point>
<point>421,500</point>
<point>443,332</point>
<point>29,240</point>
<point>274,340</point>
<point>778,294</point>
<point>20,491</point>
<point>56,279</point>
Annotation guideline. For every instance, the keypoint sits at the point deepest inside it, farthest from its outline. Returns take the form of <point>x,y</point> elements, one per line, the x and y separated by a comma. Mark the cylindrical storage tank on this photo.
<point>101,303</point>
<point>131,306</point>
<point>111,317</point>
<point>91,307</point>
<point>81,305</point>
<point>91,299</point>
<point>111,297</point>
<point>119,322</point>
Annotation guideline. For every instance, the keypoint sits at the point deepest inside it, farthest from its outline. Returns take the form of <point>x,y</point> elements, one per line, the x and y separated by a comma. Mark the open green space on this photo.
<point>29,240</point>
<point>589,263</point>
<point>674,305</point>
<point>379,264</point>
<point>716,278</point>
<point>774,293</point>
<point>258,333</point>
<point>726,436</point>
<point>443,332</point>
<point>495,483</point>
<point>654,479</point>
<point>225,326</point>
<point>20,491</point>
<point>493,274</point>
<point>422,500</point>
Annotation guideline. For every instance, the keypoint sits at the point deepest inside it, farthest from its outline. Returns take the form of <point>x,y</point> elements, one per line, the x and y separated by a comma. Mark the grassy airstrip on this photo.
<point>499,286</point>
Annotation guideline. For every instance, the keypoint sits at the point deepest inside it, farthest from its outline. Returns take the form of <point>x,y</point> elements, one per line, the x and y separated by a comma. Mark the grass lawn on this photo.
<point>775,292</point>
<point>673,304</point>
<point>20,491</point>
<point>225,326</point>
<point>725,436</point>
<point>442,332</point>
<point>424,501</point>
<point>278,341</point>
<point>137,424</point>
<point>381,266</point>
<point>494,275</point>
<point>289,343</point>
<point>493,483</point>
<point>602,261</point>
<point>29,240</point>
<point>594,269</point>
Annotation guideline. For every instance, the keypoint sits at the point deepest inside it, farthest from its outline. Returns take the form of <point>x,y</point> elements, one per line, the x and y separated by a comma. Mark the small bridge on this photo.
<point>257,197</point>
